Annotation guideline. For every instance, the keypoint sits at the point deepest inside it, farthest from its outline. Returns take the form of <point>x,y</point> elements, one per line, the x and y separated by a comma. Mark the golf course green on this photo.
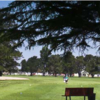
<point>44,88</point>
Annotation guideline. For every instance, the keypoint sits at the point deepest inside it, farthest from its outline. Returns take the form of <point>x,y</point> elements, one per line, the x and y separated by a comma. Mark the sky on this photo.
<point>36,50</point>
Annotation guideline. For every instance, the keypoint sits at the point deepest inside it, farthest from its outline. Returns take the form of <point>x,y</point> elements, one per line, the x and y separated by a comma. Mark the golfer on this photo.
<point>66,79</point>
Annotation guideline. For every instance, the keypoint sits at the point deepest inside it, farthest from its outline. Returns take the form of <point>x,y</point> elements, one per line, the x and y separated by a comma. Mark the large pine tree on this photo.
<point>59,24</point>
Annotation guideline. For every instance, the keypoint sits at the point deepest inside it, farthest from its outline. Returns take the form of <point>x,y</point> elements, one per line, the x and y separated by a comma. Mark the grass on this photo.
<point>44,88</point>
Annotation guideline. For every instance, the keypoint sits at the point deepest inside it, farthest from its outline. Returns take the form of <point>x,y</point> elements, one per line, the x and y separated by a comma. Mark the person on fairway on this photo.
<point>65,79</point>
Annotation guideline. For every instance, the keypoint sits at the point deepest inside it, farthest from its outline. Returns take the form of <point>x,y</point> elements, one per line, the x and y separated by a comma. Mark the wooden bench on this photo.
<point>80,92</point>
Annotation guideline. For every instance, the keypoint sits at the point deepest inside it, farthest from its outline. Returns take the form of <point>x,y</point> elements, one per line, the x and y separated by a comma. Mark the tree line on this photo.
<point>65,63</point>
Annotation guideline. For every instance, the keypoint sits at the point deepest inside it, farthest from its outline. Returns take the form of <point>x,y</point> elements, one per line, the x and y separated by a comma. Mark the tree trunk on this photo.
<point>55,74</point>
<point>31,74</point>
<point>79,74</point>
<point>31,71</point>
<point>70,74</point>
<point>44,70</point>
<point>10,72</point>
<point>92,75</point>
<point>0,73</point>
<point>43,73</point>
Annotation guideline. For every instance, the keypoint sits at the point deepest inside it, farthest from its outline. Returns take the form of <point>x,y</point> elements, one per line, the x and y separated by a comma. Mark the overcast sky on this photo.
<point>36,51</point>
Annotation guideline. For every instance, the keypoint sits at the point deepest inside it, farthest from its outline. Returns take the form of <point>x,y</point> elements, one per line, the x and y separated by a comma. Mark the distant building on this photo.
<point>83,73</point>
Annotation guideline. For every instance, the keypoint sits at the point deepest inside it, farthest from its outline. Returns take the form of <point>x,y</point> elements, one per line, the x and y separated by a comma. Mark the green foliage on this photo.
<point>54,64</point>
<point>68,63</point>
<point>44,54</point>
<point>92,64</point>
<point>59,24</point>
<point>8,56</point>
<point>1,68</point>
<point>31,65</point>
<point>24,66</point>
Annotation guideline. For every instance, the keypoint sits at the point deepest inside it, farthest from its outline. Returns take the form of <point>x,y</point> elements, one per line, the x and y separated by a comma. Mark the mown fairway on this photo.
<point>44,88</point>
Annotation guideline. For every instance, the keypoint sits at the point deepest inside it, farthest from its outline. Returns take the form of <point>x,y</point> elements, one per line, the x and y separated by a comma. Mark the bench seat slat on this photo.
<point>78,91</point>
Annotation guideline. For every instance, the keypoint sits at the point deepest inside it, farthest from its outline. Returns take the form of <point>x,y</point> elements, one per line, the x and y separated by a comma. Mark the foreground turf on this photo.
<point>44,88</point>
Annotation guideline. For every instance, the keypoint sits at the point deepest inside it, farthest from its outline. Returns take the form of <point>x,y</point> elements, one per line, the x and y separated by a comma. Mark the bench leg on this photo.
<point>69,97</point>
<point>66,97</point>
<point>92,97</point>
<point>84,97</point>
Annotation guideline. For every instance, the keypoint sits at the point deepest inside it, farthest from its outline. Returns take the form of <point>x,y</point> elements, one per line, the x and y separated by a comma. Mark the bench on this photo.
<point>80,92</point>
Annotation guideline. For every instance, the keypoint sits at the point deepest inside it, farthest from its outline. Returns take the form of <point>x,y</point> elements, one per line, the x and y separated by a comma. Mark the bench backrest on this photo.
<point>78,91</point>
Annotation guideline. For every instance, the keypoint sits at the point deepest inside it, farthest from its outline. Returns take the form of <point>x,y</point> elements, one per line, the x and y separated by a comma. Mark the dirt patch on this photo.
<point>12,78</point>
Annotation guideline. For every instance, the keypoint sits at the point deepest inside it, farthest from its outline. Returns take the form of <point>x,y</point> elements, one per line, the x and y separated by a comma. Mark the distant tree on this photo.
<point>54,64</point>
<point>24,66</point>
<point>68,63</point>
<point>98,63</point>
<point>44,54</point>
<point>32,64</point>
<point>8,56</point>
<point>92,64</point>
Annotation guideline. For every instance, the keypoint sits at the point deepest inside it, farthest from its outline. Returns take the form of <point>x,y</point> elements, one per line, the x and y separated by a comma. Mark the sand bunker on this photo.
<point>12,78</point>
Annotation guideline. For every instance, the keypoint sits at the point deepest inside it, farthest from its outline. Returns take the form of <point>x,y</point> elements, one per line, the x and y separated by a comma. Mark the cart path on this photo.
<point>12,78</point>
